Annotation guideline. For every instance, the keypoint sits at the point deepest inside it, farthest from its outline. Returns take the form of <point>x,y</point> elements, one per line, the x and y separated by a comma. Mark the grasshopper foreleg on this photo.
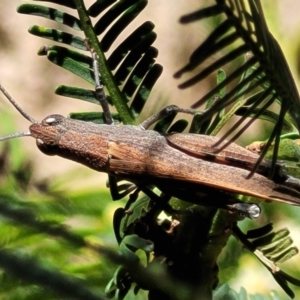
<point>100,94</point>
<point>165,112</point>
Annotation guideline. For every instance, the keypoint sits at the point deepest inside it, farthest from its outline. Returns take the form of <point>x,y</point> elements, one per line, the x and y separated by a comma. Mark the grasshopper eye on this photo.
<point>46,149</point>
<point>51,120</point>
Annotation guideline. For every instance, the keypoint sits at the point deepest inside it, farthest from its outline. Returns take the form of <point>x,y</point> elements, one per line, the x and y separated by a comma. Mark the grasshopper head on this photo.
<point>47,133</point>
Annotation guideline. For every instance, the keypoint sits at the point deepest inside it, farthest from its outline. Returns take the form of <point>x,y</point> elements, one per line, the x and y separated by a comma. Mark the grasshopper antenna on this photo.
<point>21,111</point>
<point>15,135</point>
<point>16,105</point>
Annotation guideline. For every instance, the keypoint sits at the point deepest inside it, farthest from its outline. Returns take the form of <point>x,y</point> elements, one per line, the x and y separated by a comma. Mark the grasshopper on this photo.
<point>183,165</point>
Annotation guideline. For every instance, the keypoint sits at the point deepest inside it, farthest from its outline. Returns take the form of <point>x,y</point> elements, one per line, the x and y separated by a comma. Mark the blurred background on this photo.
<point>31,80</point>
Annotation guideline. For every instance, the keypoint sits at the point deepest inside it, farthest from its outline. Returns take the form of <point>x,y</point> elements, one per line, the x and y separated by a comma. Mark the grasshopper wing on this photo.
<point>202,146</point>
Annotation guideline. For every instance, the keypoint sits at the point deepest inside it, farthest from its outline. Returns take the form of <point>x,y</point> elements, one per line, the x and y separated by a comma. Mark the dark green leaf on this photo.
<point>73,65</point>
<point>121,24</point>
<point>179,126</point>
<point>267,115</point>
<point>197,125</point>
<point>110,289</point>
<point>202,13</point>
<point>136,242</point>
<point>238,72</point>
<point>286,255</point>
<point>258,232</point>
<point>141,34</point>
<point>271,238</point>
<point>77,93</point>
<point>210,46</point>
<point>132,59</point>
<point>50,13</point>
<point>164,124</point>
<point>290,279</point>
<point>144,89</point>
<point>111,15</point>
<point>95,117</point>
<point>213,67</point>
<point>129,255</point>
<point>58,36</point>
<point>99,6</point>
<point>117,220</point>
<point>282,282</point>
<point>138,73</point>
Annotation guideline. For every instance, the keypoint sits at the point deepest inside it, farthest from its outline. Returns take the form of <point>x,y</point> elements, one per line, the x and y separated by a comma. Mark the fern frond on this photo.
<point>270,248</point>
<point>133,60</point>
<point>245,31</point>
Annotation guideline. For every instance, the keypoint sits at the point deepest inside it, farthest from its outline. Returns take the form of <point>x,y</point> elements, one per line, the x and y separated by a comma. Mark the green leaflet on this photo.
<point>139,75</point>
<point>95,117</point>
<point>127,17</point>
<point>58,36</point>
<point>70,65</point>
<point>244,32</point>
<point>50,13</point>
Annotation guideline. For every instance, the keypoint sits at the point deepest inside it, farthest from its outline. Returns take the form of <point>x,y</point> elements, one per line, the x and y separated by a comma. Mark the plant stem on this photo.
<point>106,74</point>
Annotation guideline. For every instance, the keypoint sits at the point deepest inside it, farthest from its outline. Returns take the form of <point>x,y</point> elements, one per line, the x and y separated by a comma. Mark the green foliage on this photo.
<point>37,243</point>
<point>133,60</point>
<point>244,32</point>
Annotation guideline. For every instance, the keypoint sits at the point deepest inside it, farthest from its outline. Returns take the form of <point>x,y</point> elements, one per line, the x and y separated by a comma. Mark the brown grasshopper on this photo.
<point>184,165</point>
